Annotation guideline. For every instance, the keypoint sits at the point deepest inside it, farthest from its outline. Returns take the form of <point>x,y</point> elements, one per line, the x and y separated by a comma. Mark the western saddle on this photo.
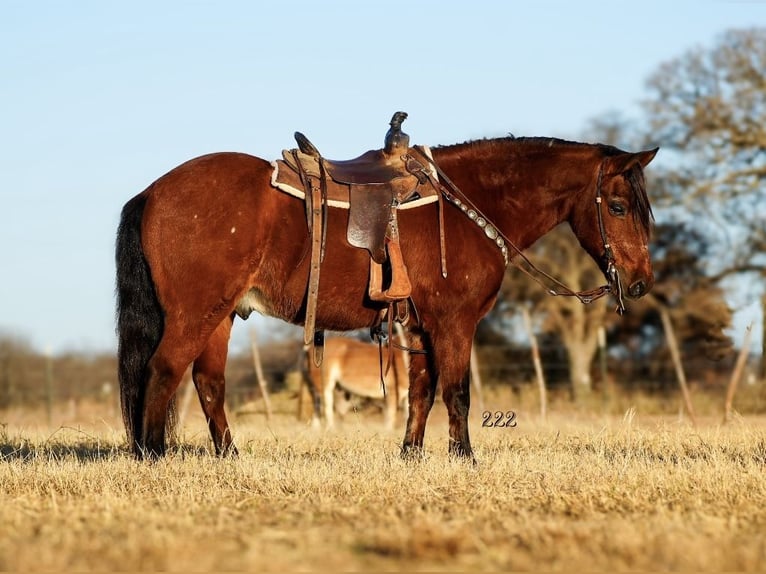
<point>373,187</point>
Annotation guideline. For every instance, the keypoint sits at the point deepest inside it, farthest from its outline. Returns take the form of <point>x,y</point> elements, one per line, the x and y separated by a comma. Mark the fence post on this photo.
<point>536,360</point>
<point>476,376</point>
<point>763,339</point>
<point>49,385</point>
<point>259,374</point>
<point>736,374</point>
<point>605,390</point>
<point>674,353</point>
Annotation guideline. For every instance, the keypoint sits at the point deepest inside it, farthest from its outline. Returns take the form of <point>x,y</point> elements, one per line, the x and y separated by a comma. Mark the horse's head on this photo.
<point>614,224</point>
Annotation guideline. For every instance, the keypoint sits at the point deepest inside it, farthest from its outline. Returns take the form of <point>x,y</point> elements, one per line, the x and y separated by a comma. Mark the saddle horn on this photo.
<point>305,145</point>
<point>396,139</point>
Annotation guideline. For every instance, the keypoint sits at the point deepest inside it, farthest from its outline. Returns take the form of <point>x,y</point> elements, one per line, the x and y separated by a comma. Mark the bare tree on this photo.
<point>684,293</point>
<point>575,324</point>
<point>708,107</point>
<point>707,110</point>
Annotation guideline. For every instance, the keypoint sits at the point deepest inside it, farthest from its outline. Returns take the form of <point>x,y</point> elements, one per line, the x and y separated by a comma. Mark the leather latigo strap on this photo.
<point>316,252</point>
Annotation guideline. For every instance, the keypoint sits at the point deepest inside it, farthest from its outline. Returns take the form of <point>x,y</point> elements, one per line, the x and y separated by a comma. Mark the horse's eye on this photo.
<point>617,209</point>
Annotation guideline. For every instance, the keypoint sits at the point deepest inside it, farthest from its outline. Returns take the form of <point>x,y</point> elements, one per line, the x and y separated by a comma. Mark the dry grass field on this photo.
<point>573,493</point>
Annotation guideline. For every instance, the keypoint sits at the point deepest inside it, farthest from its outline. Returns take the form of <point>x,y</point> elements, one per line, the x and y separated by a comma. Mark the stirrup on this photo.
<point>400,287</point>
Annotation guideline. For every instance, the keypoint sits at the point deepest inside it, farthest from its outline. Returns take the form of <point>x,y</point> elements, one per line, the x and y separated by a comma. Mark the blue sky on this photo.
<point>100,98</point>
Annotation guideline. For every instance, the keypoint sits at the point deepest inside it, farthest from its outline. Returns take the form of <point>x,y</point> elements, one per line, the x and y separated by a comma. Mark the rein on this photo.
<point>458,198</point>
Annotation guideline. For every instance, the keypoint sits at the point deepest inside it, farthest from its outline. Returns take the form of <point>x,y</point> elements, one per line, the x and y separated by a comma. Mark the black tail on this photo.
<point>139,318</point>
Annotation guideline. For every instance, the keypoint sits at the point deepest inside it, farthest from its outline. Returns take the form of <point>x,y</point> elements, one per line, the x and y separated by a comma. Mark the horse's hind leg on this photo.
<point>164,372</point>
<point>208,375</point>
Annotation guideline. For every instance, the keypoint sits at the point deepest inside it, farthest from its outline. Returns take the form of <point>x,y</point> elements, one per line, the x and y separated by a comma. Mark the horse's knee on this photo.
<point>458,402</point>
<point>422,389</point>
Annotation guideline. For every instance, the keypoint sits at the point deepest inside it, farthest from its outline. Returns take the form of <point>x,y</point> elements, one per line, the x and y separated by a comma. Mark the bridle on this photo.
<point>522,262</point>
<point>612,275</point>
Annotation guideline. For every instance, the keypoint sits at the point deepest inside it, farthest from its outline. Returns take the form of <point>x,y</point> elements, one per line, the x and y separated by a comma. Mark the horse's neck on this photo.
<point>524,194</point>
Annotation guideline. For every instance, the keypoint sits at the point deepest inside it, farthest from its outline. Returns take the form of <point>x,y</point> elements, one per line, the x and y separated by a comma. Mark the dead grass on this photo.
<point>573,493</point>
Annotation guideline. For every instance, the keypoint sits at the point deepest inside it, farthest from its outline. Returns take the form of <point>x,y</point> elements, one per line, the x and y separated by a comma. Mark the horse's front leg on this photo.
<point>421,394</point>
<point>452,354</point>
<point>458,400</point>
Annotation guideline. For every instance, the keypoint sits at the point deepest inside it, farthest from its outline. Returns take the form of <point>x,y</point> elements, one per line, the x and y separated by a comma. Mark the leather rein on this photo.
<point>458,198</point>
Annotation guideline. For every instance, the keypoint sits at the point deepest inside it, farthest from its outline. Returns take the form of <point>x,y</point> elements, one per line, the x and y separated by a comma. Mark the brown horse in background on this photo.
<point>212,239</point>
<point>355,367</point>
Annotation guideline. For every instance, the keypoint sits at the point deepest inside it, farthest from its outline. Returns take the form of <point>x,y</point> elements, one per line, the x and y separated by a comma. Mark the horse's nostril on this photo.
<point>637,289</point>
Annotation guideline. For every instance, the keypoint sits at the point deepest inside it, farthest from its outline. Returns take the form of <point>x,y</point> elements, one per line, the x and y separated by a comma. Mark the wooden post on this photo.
<point>536,360</point>
<point>49,385</point>
<point>259,374</point>
<point>674,353</point>
<point>737,374</point>
<point>763,339</point>
<point>476,376</point>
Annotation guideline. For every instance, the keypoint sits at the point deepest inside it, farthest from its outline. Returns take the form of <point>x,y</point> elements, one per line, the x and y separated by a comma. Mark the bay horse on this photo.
<point>355,367</point>
<point>212,239</point>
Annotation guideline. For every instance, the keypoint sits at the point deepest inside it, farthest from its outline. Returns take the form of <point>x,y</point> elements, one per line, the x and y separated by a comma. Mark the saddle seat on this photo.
<point>373,172</point>
<point>374,167</point>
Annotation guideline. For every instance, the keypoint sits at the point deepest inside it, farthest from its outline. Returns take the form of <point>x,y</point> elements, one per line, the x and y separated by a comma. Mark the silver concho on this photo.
<point>489,230</point>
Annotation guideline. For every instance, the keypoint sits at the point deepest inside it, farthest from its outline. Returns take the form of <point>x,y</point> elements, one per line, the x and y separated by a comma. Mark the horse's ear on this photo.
<point>646,156</point>
<point>621,163</point>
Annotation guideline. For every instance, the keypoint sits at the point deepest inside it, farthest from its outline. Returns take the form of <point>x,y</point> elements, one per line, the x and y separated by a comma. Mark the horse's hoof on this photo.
<point>461,452</point>
<point>411,453</point>
<point>228,452</point>
<point>143,452</point>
